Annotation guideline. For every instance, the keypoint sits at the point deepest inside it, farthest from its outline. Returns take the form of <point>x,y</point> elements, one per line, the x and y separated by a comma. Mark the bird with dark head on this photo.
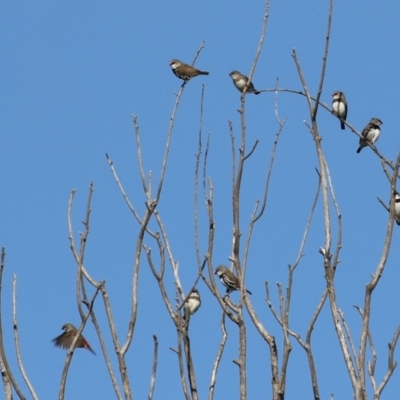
<point>228,279</point>
<point>240,81</point>
<point>339,107</point>
<point>65,339</point>
<point>370,133</point>
<point>185,71</point>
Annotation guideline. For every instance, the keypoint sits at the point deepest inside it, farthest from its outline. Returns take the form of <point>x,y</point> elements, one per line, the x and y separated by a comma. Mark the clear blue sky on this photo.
<point>72,73</point>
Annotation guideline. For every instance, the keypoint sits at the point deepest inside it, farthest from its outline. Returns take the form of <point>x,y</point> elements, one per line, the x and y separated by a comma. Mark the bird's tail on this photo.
<point>87,346</point>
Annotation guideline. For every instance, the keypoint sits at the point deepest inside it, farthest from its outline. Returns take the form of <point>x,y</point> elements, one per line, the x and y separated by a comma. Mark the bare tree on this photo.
<point>361,371</point>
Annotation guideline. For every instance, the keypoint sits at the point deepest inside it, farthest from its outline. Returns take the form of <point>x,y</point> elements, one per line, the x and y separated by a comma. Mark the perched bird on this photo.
<point>228,279</point>
<point>397,207</point>
<point>185,71</point>
<point>193,303</point>
<point>240,81</point>
<point>339,107</point>
<point>370,133</point>
<point>66,338</point>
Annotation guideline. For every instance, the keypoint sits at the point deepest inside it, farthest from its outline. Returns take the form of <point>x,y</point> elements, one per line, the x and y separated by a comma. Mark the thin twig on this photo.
<point>154,370</point>
<point>16,340</point>
<point>376,278</point>
<point>347,330</point>
<point>272,159</point>
<point>114,337</point>
<point>146,190</point>
<point>391,364</point>
<point>324,61</point>
<point>122,190</point>
<point>170,130</point>
<point>218,358</point>
<point>6,372</point>
<point>150,208</point>
<point>196,181</point>
<point>61,393</point>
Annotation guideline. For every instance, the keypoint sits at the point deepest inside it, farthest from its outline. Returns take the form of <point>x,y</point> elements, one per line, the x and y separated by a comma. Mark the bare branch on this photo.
<point>335,261</point>
<point>376,277</point>
<point>205,172</point>
<point>189,365</point>
<point>347,330</point>
<point>307,228</point>
<point>324,61</point>
<point>61,393</point>
<point>160,281</point>
<point>202,44</point>
<point>70,230</point>
<point>154,370</point>
<point>170,130</point>
<point>99,286</point>
<point>140,159</point>
<point>260,44</point>
<point>173,263</point>
<point>391,364</point>
<point>122,190</point>
<point>181,368</point>
<point>16,340</point>
<point>132,321</point>
<point>251,151</point>
<point>80,286</point>
<point>218,358</point>
<point>6,372</point>
<point>115,340</point>
<point>233,150</point>
<point>196,181</point>
<point>272,159</point>
<point>383,204</point>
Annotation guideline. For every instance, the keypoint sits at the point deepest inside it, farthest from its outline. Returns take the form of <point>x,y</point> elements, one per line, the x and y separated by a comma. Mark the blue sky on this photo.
<point>71,76</point>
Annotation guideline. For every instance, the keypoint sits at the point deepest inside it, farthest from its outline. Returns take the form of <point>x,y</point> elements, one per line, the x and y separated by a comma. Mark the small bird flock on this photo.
<point>187,72</point>
<point>370,134</point>
<point>192,304</point>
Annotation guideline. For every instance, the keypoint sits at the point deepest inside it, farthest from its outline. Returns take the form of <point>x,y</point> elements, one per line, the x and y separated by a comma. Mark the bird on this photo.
<point>228,279</point>
<point>370,133</point>
<point>66,338</point>
<point>240,81</point>
<point>185,71</point>
<point>192,303</point>
<point>397,207</point>
<point>339,107</point>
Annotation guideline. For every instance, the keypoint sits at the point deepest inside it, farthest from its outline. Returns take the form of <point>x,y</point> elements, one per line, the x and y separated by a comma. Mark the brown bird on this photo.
<point>228,279</point>
<point>240,81</point>
<point>185,71</point>
<point>66,338</point>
